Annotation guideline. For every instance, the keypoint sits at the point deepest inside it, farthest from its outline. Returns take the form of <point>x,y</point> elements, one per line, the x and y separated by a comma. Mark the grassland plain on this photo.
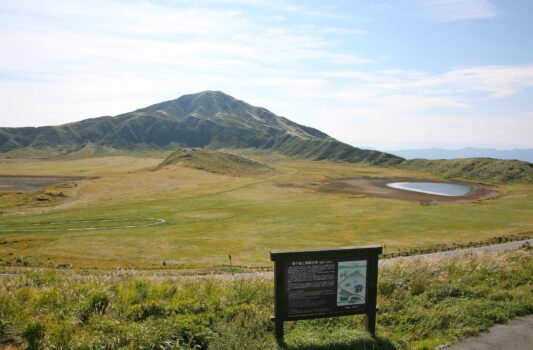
<point>208,216</point>
<point>423,305</point>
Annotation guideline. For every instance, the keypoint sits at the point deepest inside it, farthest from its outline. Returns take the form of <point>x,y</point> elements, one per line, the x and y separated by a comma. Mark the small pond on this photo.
<point>436,188</point>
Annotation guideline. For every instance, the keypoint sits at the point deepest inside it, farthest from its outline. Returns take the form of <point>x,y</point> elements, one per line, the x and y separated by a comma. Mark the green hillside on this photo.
<point>332,150</point>
<point>476,169</point>
<point>215,162</point>
<point>207,119</point>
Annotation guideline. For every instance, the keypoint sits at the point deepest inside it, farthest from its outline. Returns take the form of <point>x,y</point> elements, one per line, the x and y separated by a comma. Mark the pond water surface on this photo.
<point>436,188</point>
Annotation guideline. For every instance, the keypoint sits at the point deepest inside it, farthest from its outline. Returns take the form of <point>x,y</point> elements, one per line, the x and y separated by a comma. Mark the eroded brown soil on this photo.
<point>9,183</point>
<point>377,187</point>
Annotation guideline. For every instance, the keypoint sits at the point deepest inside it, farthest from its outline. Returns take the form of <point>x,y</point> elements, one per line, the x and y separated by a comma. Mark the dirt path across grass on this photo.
<point>516,335</point>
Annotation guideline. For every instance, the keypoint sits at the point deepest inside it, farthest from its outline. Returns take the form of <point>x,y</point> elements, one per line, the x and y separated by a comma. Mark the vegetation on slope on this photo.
<point>331,150</point>
<point>207,119</point>
<point>215,162</point>
<point>476,169</point>
<point>422,305</point>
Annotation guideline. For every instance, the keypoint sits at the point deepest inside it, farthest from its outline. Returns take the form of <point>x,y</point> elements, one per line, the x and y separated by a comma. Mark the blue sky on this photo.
<point>380,74</point>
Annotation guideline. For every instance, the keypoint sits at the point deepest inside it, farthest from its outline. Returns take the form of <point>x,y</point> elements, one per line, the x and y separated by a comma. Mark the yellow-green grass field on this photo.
<point>209,216</point>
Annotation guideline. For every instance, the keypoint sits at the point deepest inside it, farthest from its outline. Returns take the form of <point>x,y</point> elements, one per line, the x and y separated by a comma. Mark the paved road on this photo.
<point>516,335</point>
<point>454,253</point>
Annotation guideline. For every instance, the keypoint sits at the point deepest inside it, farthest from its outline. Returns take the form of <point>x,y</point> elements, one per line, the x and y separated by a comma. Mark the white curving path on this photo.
<point>156,221</point>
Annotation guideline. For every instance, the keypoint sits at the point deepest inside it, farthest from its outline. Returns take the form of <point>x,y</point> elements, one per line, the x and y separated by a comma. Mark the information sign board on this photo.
<point>325,283</point>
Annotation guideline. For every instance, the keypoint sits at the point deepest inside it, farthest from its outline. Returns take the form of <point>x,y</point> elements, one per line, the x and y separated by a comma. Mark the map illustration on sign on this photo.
<point>351,287</point>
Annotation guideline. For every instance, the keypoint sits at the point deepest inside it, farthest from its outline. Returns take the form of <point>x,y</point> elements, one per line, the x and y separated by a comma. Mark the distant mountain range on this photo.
<point>525,154</point>
<point>209,119</point>
<point>487,170</point>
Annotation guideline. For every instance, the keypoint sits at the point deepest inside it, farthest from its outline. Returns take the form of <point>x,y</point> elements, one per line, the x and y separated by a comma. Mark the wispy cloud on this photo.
<point>69,60</point>
<point>489,81</point>
<point>152,51</point>
<point>146,34</point>
<point>452,88</point>
<point>405,107</point>
<point>457,10</point>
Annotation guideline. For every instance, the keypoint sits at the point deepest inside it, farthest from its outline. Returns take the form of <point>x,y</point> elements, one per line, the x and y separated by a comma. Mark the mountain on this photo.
<point>214,120</point>
<point>215,162</point>
<point>525,154</point>
<point>486,170</point>
<point>209,119</point>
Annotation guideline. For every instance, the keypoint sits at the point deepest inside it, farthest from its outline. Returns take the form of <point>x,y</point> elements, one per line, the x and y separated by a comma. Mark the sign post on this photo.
<point>325,283</point>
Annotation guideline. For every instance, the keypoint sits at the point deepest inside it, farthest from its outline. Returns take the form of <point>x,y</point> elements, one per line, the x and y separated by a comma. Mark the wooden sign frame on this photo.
<point>307,284</point>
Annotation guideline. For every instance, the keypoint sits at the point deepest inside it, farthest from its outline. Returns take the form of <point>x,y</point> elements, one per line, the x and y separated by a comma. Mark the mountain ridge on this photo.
<point>209,119</point>
<point>523,154</point>
<point>487,170</point>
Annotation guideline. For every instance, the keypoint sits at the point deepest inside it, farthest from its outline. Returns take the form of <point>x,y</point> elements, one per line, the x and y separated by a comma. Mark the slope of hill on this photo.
<point>215,162</point>
<point>209,118</point>
<point>477,169</point>
<point>525,154</point>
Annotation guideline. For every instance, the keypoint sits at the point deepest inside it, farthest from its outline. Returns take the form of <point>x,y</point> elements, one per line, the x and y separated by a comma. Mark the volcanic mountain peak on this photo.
<point>216,106</point>
<point>206,103</point>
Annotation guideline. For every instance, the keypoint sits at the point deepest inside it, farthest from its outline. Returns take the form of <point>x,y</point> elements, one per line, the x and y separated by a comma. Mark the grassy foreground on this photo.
<point>422,305</point>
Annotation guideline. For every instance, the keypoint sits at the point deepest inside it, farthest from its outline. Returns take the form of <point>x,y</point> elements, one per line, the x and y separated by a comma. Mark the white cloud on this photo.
<point>71,60</point>
<point>69,52</point>
<point>457,10</point>
<point>391,108</point>
<point>147,34</point>
<point>422,90</point>
<point>492,81</point>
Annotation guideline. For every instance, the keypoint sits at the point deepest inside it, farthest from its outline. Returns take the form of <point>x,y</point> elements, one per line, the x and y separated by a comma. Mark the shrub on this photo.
<point>34,333</point>
<point>237,311</point>
<point>97,303</point>
<point>419,282</point>
<point>386,287</point>
<point>41,279</point>
<point>140,312</point>
<point>242,332</point>
<point>439,292</point>
<point>194,330</point>
<point>132,291</point>
<point>60,334</point>
<point>4,325</point>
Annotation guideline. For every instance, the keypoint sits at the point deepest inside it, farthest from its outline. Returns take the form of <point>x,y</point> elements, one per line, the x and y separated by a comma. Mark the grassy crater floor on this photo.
<point>422,305</point>
<point>209,216</point>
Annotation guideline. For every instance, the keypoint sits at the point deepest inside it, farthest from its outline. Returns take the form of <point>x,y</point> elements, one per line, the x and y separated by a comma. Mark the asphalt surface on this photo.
<point>455,253</point>
<point>516,335</point>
